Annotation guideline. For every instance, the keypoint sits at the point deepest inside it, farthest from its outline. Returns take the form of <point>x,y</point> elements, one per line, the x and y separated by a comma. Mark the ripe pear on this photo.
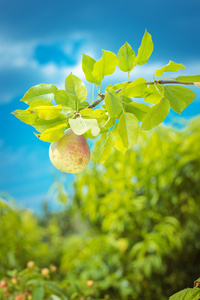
<point>71,154</point>
<point>197,84</point>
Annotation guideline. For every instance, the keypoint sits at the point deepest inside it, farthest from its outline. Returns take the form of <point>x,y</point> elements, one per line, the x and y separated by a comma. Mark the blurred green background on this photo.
<point>129,229</point>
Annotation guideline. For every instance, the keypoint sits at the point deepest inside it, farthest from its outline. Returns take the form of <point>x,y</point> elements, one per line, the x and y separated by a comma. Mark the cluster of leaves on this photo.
<point>121,114</point>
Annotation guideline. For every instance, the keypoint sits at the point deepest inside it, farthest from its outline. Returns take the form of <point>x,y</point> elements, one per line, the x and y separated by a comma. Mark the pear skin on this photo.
<point>71,154</point>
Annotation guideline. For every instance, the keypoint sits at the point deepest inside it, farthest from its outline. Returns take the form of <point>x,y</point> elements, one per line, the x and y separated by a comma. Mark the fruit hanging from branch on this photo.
<point>121,114</point>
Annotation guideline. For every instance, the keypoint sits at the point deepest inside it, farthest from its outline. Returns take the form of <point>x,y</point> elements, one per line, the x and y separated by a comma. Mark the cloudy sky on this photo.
<point>43,41</point>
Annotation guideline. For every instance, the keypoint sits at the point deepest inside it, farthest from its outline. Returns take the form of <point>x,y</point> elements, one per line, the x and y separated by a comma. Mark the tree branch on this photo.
<point>102,96</point>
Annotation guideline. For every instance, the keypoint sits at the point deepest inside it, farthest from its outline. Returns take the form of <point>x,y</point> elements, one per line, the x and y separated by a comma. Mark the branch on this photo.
<point>102,96</point>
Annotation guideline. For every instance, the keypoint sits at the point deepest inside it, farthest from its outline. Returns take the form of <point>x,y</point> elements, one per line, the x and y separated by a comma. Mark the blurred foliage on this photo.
<point>132,230</point>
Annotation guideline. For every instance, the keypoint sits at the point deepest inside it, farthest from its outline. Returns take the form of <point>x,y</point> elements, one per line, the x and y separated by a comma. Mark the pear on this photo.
<point>71,154</point>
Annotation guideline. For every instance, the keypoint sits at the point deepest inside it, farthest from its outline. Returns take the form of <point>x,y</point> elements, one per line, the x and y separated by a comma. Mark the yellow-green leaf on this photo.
<point>126,57</point>
<point>113,104</point>
<point>75,88</point>
<point>41,91</point>
<point>135,88</point>
<point>170,67</point>
<point>145,50</point>
<point>192,78</point>
<point>52,134</point>
<point>105,66</point>
<point>107,148</point>
<point>156,114</point>
<point>41,125</point>
<point>47,112</point>
<point>88,66</point>
<point>80,126</point>
<point>128,129</point>
<point>89,113</point>
<point>138,109</point>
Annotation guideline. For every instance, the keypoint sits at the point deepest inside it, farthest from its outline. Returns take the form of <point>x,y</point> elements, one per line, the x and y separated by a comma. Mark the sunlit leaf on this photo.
<point>80,126</point>
<point>41,91</point>
<point>128,129</point>
<point>61,97</point>
<point>171,67</point>
<point>88,66</point>
<point>135,88</point>
<point>113,104</point>
<point>152,95</point>
<point>25,116</point>
<point>105,66</point>
<point>187,294</point>
<point>98,114</point>
<point>145,50</point>
<point>138,109</point>
<point>41,125</point>
<point>52,134</point>
<point>156,114</point>
<point>192,78</point>
<point>107,148</point>
<point>47,112</point>
<point>75,88</point>
<point>179,97</point>
<point>126,57</point>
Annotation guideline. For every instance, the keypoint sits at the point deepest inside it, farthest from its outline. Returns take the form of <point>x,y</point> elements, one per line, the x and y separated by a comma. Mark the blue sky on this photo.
<point>43,41</point>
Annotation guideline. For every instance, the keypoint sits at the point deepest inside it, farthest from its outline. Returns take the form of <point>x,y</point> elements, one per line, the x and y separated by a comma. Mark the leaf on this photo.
<point>179,97</point>
<point>135,88</point>
<point>47,112</point>
<point>105,66</point>
<point>192,78</point>
<point>126,57</point>
<point>171,67</point>
<point>54,297</point>
<point>75,88</point>
<point>25,116</point>
<point>53,134</point>
<point>156,115</point>
<point>80,126</point>
<point>113,104</point>
<point>187,294</point>
<point>145,50</point>
<point>152,95</point>
<point>88,66</point>
<point>138,109</point>
<point>41,91</point>
<point>128,129</point>
<point>56,290</point>
<point>107,148</point>
<point>38,293</point>
<point>114,88</point>
<point>98,114</point>
<point>62,98</point>
<point>118,140</point>
<point>41,125</point>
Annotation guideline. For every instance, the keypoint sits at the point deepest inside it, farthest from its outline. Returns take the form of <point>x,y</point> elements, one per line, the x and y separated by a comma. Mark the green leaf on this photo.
<point>128,129</point>
<point>113,88</point>
<point>145,50</point>
<point>80,126</point>
<point>88,66</point>
<point>192,78</point>
<point>41,91</point>
<point>126,57</point>
<point>138,109</point>
<point>47,112</point>
<point>75,88</point>
<point>152,95</point>
<point>179,97</point>
<point>62,98</point>
<point>98,114</point>
<point>105,66</point>
<point>118,140</point>
<point>25,116</point>
<point>187,294</point>
<point>38,293</point>
<point>113,104</point>
<point>107,148</point>
<point>170,67</point>
<point>41,125</point>
<point>52,134</point>
<point>156,115</point>
<point>135,88</point>
<point>56,290</point>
